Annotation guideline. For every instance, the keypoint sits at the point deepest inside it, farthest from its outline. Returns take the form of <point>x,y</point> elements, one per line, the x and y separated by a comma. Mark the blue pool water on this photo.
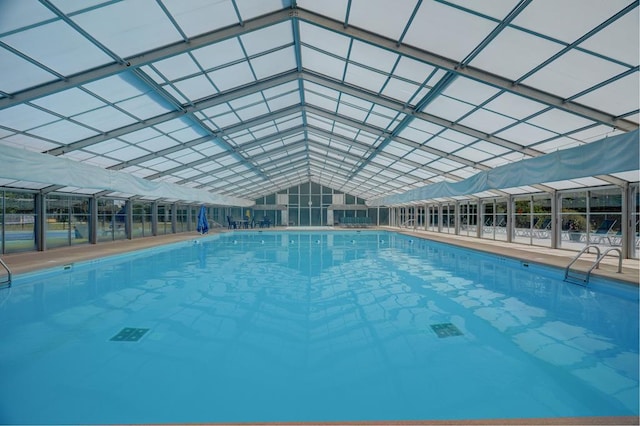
<point>338,326</point>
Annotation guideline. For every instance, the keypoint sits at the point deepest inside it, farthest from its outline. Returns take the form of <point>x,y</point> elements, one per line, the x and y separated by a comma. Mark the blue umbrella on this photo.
<point>203,225</point>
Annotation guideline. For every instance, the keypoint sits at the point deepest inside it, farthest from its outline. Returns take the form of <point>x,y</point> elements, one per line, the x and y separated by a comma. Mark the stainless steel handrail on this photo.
<point>4,265</point>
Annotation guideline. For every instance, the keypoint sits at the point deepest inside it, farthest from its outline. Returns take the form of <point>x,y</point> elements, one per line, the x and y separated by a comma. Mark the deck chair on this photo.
<point>542,231</point>
<point>603,231</point>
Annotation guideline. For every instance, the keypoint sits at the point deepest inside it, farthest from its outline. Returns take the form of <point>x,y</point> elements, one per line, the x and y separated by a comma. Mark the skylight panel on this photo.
<point>117,87</point>
<point>267,38</point>
<point>490,148</point>
<point>196,88</point>
<point>78,155</point>
<point>158,143</point>
<point>324,39</point>
<point>188,134</point>
<point>186,174</point>
<point>445,165</point>
<point>448,108</point>
<point>401,90</point>
<point>23,117</point>
<point>550,19</point>
<point>557,144</point>
<point>126,34</point>
<point>525,134</point>
<point>471,91</point>
<point>106,146</point>
<point>365,78</point>
<point>253,111</point>
<point>104,119</point>
<point>219,54</point>
<point>19,74</point>
<point>334,9</point>
<point>559,121</point>
<point>560,76</point>
<point>59,47</point>
<point>513,53</point>
<point>216,110</point>
<point>232,76</point>
<point>103,162</point>
<point>322,63</point>
<point>432,31</point>
<point>177,66</point>
<point>128,153</point>
<point>185,156</point>
<point>175,94</point>
<point>23,14</point>
<point>368,138</point>
<point>422,174</point>
<point>173,125</point>
<point>223,121</point>
<point>63,131</point>
<point>420,156</point>
<point>240,138</point>
<point>458,137</point>
<point>514,106</point>
<point>594,133</point>
<point>24,141</point>
<point>320,101</point>
<point>397,149</point>
<point>198,17</point>
<point>69,102</point>
<point>347,132</point>
<point>284,101</point>
<point>402,167</point>
<point>486,121</point>
<point>351,111</point>
<point>473,154</point>
<point>252,99</point>
<point>607,41</point>
<point>274,63</point>
<point>319,123</point>
<point>444,145</point>
<point>144,107</point>
<point>614,97</point>
<point>264,131</point>
<point>373,56</point>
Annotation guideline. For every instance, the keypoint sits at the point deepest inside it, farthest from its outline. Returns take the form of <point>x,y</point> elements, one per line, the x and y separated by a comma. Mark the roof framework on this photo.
<point>244,98</point>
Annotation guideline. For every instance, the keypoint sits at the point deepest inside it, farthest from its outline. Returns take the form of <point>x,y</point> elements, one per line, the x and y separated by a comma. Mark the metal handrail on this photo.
<point>595,265</point>
<point>619,257</point>
<point>4,265</point>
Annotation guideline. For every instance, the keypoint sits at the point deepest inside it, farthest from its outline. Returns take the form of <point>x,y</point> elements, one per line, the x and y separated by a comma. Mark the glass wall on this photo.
<point>111,220</point>
<point>308,205</point>
<point>18,220</point>
<point>67,220</point>
<point>142,219</point>
<point>532,220</point>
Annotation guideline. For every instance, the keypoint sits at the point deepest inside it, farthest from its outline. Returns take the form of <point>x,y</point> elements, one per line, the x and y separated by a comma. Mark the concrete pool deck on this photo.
<point>21,263</point>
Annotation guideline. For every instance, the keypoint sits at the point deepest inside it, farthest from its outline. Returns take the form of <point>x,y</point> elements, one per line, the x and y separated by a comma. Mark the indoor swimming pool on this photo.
<point>313,326</point>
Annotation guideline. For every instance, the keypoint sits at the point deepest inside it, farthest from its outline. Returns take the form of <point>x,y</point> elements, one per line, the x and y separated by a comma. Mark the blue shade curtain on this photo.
<point>203,225</point>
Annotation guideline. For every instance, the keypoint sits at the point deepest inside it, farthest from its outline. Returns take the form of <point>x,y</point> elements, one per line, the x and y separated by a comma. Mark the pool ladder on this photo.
<point>582,278</point>
<point>6,282</point>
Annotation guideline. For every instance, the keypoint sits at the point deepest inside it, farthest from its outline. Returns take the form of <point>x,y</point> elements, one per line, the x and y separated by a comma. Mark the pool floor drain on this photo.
<point>446,330</point>
<point>130,334</point>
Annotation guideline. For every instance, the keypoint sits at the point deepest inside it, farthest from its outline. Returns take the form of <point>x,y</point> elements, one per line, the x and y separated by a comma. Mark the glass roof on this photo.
<point>243,98</point>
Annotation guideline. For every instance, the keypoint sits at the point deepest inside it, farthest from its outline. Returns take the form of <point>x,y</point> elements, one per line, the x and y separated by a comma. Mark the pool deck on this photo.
<point>20,263</point>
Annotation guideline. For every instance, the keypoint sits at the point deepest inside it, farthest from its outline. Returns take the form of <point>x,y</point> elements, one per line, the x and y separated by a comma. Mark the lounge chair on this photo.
<point>542,231</point>
<point>603,231</point>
